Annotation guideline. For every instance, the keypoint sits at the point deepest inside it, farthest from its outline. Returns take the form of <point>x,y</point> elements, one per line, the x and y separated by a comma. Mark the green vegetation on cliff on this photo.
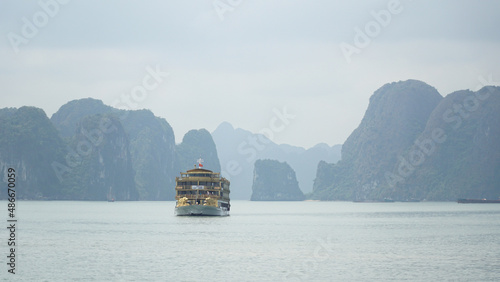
<point>413,144</point>
<point>149,149</point>
<point>152,149</point>
<point>70,114</point>
<point>91,151</point>
<point>102,168</point>
<point>275,181</point>
<point>29,143</point>
<point>458,153</point>
<point>397,113</point>
<point>197,144</point>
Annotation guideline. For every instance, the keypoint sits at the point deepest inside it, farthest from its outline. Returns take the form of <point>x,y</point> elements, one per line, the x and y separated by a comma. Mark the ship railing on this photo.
<point>188,187</point>
<point>194,196</point>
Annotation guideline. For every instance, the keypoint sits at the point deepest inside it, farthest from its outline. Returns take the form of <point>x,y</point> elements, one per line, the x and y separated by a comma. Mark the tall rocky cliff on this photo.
<point>29,143</point>
<point>396,115</point>
<point>152,148</point>
<point>70,114</point>
<point>458,153</point>
<point>197,144</point>
<point>148,140</point>
<point>102,166</point>
<point>275,181</point>
<point>91,151</point>
<point>413,144</point>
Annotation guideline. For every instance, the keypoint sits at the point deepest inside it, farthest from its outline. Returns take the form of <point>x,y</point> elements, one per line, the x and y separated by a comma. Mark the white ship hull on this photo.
<point>201,210</point>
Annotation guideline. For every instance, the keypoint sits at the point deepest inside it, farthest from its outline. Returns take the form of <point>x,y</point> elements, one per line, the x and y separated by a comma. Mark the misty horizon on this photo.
<point>321,60</point>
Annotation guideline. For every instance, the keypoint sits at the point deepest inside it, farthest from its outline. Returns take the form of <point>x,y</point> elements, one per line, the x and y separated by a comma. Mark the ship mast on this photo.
<point>200,160</point>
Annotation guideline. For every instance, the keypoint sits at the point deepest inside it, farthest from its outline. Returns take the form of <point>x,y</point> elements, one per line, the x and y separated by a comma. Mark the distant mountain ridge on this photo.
<point>412,144</point>
<point>238,150</point>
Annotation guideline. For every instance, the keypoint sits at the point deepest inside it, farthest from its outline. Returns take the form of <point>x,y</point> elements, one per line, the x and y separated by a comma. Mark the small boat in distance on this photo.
<point>478,201</point>
<point>385,200</point>
<point>201,192</point>
<point>110,195</point>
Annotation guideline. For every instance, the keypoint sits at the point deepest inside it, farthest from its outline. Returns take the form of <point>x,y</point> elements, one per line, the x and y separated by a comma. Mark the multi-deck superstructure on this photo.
<point>202,192</point>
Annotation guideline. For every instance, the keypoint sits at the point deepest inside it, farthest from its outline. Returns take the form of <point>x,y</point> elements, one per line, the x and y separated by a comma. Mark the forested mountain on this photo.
<point>413,144</point>
<point>91,151</point>
<point>275,181</point>
<point>102,165</point>
<point>197,144</point>
<point>69,115</point>
<point>150,143</point>
<point>458,153</point>
<point>30,143</point>
<point>152,149</point>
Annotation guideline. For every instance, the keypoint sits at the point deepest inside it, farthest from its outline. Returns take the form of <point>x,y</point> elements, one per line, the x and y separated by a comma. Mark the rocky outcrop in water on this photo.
<point>275,181</point>
<point>238,150</point>
<point>458,153</point>
<point>413,144</point>
<point>396,115</point>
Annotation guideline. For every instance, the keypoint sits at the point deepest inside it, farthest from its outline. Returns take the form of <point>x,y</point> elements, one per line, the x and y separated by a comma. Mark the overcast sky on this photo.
<point>301,70</point>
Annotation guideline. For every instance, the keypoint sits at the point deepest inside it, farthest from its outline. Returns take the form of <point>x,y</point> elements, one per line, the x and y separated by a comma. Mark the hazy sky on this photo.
<point>301,70</point>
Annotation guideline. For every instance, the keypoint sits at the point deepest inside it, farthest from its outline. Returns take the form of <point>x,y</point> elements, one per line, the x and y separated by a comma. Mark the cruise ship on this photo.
<point>201,192</point>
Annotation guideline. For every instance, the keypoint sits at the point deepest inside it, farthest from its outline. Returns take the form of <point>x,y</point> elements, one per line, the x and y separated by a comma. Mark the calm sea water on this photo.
<point>260,241</point>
